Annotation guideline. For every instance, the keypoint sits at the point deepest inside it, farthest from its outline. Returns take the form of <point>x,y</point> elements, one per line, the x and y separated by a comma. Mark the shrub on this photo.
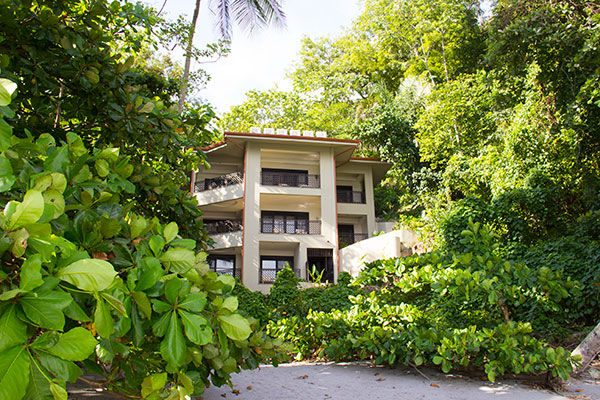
<point>285,297</point>
<point>456,310</point>
<point>84,279</point>
<point>251,303</point>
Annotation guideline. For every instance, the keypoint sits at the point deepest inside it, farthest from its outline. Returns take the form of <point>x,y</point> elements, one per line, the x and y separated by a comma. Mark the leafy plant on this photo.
<point>85,279</point>
<point>455,310</point>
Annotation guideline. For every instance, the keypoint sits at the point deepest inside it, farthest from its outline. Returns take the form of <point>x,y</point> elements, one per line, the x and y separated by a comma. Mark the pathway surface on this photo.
<point>357,381</point>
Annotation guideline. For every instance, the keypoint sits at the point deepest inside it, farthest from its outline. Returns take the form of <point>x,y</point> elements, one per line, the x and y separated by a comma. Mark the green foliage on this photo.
<point>78,70</point>
<point>252,303</point>
<point>285,296</point>
<point>85,279</point>
<point>456,310</point>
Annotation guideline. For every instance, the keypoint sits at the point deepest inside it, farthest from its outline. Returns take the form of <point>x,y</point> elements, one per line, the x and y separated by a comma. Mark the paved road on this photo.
<point>357,381</point>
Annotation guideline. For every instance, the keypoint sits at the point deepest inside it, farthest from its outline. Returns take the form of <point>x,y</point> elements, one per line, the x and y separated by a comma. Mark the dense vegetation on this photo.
<point>492,126</point>
<point>490,121</point>
<point>95,273</point>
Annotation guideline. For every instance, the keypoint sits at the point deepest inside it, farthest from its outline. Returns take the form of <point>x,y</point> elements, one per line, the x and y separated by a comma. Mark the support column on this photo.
<point>251,217</point>
<point>328,203</point>
<point>371,221</point>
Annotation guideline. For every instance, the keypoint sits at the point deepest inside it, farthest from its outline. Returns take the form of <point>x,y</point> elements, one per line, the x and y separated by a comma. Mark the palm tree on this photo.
<point>248,14</point>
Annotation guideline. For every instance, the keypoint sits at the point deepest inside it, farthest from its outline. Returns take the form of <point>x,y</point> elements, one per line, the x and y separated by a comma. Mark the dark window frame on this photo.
<point>280,263</point>
<point>212,260</point>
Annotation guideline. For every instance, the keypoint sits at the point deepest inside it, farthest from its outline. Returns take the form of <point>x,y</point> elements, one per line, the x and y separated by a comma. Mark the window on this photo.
<point>222,264</point>
<point>284,222</point>
<point>271,265</point>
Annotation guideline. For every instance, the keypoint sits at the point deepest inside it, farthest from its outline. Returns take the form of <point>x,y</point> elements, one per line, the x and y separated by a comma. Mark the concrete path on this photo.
<point>357,381</point>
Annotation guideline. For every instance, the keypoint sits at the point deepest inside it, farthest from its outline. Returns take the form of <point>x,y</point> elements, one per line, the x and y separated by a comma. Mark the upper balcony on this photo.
<point>351,197</point>
<point>290,226</point>
<point>218,189</point>
<point>299,179</point>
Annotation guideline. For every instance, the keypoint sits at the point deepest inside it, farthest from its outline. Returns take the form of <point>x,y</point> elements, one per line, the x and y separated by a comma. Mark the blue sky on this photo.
<point>260,61</point>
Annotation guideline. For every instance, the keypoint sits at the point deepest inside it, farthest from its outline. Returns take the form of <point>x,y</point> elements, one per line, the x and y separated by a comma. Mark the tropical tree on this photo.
<point>248,14</point>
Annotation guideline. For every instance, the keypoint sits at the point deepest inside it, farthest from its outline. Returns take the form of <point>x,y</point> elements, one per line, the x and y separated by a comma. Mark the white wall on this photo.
<point>390,245</point>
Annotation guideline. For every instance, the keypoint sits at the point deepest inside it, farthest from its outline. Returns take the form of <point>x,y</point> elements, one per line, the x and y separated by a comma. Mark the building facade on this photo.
<point>271,200</point>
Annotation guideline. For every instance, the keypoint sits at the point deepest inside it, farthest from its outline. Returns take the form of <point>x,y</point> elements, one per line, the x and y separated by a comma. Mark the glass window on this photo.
<point>222,264</point>
<point>271,265</point>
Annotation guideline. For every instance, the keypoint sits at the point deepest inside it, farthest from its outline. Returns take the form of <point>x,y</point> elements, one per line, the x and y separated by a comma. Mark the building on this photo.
<point>271,199</point>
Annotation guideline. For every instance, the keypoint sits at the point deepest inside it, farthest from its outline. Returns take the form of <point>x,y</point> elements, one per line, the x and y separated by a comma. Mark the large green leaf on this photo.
<point>64,370</point>
<point>230,303</point>
<point>196,328</point>
<point>45,309</point>
<point>91,274</point>
<point>153,383</point>
<point>151,272</point>
<point>75,345</point>
<point>194,302</point>
<point>7,87</point>
<point>12,330</point>
<point>31,273</point>
<point>58,391</point>
<point>170,232</point>
<point>105,325</point>
<point>143,303</point>
<point>14,373</point>
<point>38,388</point>
<point>235,326</point>
<point>173,347</point>
<point>178,259</point>
<point>28,211</point>
<point>7,179</point>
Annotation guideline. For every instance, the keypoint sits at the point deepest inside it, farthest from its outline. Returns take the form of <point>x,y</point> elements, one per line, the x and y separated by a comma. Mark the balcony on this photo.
<point>290,226</point>
<point>234,178</point>
<point>220,189</point>
<point>291,179</point>
<point>351,197</point>
<point>223,226</point>
<point>346,239</point>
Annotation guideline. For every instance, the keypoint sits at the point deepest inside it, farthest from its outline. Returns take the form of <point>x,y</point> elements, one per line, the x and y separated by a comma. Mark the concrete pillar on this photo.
<point>371,221</point>
<point>328,202</point>
<point>251,216</point>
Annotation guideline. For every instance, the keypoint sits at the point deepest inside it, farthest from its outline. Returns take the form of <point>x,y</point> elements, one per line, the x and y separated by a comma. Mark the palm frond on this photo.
<point>221,9</point>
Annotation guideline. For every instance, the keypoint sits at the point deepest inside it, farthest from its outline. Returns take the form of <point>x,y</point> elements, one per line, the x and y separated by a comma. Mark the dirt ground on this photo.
<point>357,381</point>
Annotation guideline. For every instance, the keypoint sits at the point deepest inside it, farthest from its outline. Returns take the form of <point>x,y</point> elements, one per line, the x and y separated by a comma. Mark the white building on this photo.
<point>275,199</point>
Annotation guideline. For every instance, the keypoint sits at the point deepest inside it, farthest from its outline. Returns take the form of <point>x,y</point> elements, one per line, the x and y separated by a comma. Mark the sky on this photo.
<point>260,60</point>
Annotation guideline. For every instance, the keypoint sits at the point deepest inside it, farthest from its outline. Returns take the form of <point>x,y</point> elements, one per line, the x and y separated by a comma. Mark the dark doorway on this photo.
<point>345,234</point>
<point>322,260</point>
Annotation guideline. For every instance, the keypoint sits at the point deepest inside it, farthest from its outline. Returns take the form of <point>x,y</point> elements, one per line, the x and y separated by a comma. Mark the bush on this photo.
<point>252,303</point>
<point>285,297</point>
<point>456,310</point>
<point>85,279</point>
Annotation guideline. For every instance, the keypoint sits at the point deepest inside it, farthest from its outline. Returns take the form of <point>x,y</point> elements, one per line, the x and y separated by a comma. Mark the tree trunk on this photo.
<point>188,59</point>
<point>588,349</point>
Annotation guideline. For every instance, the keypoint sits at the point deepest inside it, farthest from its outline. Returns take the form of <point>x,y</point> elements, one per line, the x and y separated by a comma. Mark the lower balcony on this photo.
<point>294,227</point>
<point>225,233</point>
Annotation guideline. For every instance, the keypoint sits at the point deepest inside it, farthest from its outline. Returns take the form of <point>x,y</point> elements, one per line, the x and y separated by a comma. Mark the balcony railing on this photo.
<point>293,226</point>
<point>224,226</point>
<point>349,238</point>
<point>270,178</point>
<point>351,197</point>
<point>221,181</point>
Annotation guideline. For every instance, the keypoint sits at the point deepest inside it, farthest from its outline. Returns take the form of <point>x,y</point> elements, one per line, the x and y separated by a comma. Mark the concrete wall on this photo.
<point>390,245</point>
